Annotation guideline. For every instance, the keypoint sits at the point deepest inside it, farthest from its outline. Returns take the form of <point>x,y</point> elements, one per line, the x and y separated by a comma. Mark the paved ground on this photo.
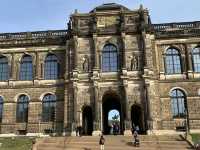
<point>118,142</point>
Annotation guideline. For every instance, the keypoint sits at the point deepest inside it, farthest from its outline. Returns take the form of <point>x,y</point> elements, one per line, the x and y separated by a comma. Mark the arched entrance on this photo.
<point>87,121</point>
<point>111,102</point>
<point>137,118</point>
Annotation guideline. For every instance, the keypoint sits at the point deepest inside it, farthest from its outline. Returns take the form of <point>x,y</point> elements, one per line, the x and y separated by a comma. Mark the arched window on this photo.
<point>196,59</point>
<point>51,68</point>
<point>178,100</point>
<point>172,61</point>
<point>26,68</point>
<point>109,58</point>
<point>1,109</point>
<point>48,108</point>
<point>22,108</point>
<point>4,69</point>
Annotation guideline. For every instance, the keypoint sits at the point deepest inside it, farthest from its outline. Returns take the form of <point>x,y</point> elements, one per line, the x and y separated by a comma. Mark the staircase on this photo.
<point>118,142</point>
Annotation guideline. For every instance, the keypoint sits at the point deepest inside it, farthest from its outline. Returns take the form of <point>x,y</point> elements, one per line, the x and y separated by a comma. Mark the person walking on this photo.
<point>102,142</point>
<point>136,139</point>
<point>137,129</point>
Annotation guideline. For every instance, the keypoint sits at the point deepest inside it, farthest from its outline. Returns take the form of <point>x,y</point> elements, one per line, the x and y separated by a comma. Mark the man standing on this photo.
<point>102,142</point>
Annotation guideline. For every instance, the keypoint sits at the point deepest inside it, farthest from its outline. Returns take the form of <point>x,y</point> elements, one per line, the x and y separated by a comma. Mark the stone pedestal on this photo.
<point>73,133</point>
<point>96,133</point>
<point>127,133</point>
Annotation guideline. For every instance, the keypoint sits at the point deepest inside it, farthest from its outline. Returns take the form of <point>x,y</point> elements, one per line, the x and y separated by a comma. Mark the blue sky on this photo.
<point>33,15</point>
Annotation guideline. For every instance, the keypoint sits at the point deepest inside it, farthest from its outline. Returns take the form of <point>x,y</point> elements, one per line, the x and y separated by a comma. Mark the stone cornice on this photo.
<point>37,38</point>
<point>177,30</point>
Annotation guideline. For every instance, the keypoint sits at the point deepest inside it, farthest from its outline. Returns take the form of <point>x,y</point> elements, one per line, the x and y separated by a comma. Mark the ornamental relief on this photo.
<point>83,23</point>
<point>107,21</point>
<point>131,20</point>
<point>84,44</point>
<point>180,47</point>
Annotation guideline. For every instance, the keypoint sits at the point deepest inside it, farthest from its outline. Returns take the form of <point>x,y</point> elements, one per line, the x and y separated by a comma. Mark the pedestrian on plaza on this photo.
<point>77,131</point>
<point>102,142</point>
<point>136,141</point>
<point>137,129</point>
<point>133,128</point>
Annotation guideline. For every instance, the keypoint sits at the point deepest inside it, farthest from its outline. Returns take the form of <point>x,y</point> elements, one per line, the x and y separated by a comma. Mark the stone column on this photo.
<point>96,57</point>
<point>189,60</point>
<point>75,117</point>
<point>13,67</point>
<point>75,38</point>
<point>148,108</point>
<point>37,66</point>
<point>97,111</point>
<point>123,35</point>
<point>127,131</point>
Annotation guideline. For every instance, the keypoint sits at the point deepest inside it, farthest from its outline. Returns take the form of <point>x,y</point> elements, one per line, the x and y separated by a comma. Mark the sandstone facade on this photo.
<point>139,89</point>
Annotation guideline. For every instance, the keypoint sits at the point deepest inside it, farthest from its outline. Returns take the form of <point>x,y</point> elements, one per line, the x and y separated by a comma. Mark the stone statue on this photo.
<point>134,63</point>
<point>85,65</point>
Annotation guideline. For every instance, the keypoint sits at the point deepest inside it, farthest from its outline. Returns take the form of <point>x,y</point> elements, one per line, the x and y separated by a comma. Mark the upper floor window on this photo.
<point>4,71</point>
<point>196,59</point>
<point>51,68</point>
<point>109,58</point>
<point>172,61</point>
<point>1,109</point>
<point>26,68</point>
<point>48,108</point>
<point>22,108</point>
<point>178,100</point>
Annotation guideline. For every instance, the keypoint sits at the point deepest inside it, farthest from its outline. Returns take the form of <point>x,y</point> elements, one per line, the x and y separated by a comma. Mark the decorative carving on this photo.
<point>84,22</point>
<point>129,20</point>
<point>85,64</point>
<point>107,21</point>
<point>134,63</point>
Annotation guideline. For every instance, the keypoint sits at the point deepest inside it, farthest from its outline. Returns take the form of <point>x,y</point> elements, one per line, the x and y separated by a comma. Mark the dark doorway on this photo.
<point>137,117</point>
<point>87,121</point>
<point>111,102</point>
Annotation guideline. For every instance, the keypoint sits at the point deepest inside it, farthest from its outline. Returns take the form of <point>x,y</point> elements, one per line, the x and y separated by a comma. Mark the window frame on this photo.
<point>48,108</point>
<point>26,68</point>
<point>22,103</point>
<point>110,58</point>
<point>173,61</point>
<point>195,65</point>
<point>4,68</point>
<point>49,72</point>
<point>178,103</point>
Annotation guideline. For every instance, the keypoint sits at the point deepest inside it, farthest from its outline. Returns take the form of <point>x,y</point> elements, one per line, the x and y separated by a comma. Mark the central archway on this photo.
<point>111,101</point>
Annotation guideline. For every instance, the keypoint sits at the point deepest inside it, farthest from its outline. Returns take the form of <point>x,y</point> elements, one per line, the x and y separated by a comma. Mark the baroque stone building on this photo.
<point>109,58</point>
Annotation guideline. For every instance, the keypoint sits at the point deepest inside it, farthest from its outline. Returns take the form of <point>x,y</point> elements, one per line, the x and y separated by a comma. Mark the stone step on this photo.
<point>113,143</point>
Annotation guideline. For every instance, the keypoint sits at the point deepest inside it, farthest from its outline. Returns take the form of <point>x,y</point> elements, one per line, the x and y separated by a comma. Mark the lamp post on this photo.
<point>39,124</point>
<point>187,132</point>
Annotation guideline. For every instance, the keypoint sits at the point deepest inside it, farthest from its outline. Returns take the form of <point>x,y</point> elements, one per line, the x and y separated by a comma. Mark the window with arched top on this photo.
<point>48,108</point>
<point>51,68</point>
<point>22,109</point>
<point>196,59</point>
<point>1,108</point>
<point>172,61</point>
<point>178,102</point>
<point>109,58</point>
<point>26,68</point>
<point>4,69</point>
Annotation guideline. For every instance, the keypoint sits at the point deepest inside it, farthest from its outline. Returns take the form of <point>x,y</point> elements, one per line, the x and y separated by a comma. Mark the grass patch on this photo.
<point>16,143</point>
<point>195,138</point>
